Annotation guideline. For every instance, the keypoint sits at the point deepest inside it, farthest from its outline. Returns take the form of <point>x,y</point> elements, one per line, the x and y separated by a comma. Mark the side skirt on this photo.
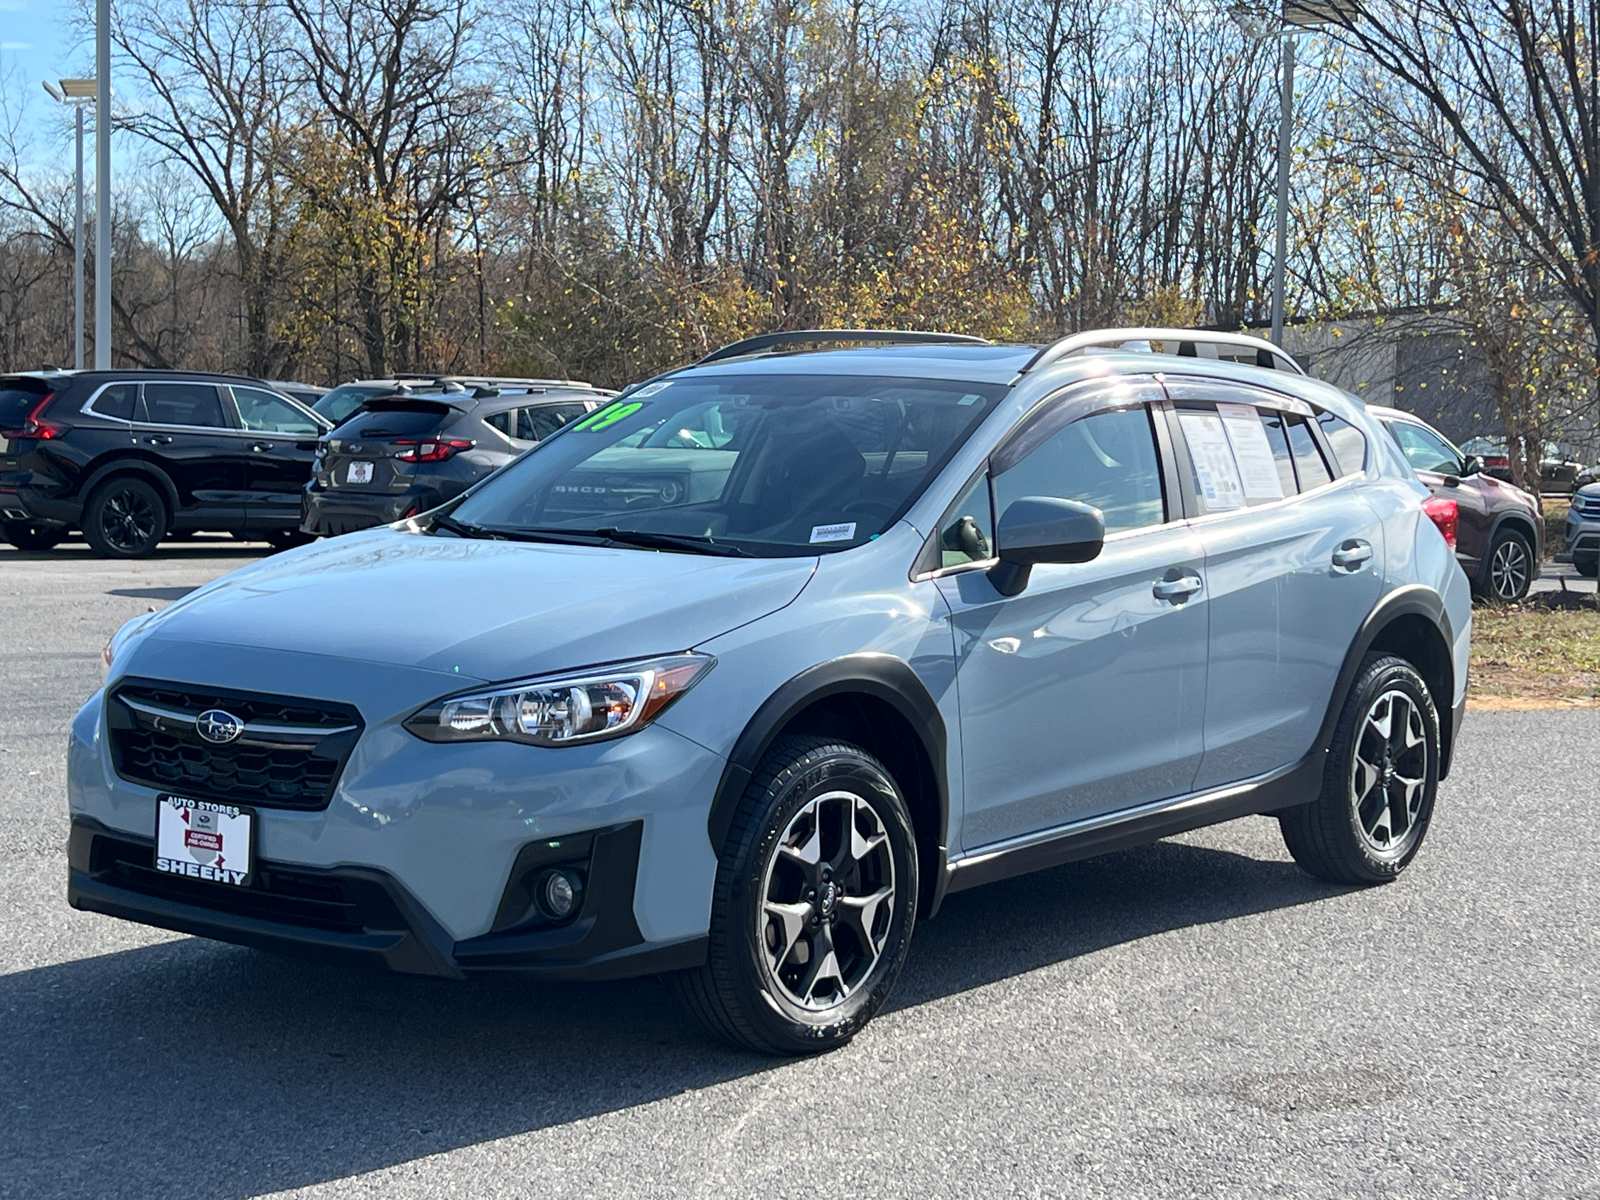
<point>1284,788</point>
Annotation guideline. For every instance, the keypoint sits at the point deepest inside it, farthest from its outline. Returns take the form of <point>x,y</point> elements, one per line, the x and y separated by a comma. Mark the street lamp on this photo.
<point>1262,25</point>
<point>79,93</point>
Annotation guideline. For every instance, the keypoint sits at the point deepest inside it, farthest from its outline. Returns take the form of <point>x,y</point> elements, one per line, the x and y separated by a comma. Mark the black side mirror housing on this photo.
<point>1471,465</point>
<point>1043,529</point>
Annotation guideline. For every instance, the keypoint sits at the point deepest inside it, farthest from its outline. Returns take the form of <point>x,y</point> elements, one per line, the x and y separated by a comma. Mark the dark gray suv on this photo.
<point>403,455</point>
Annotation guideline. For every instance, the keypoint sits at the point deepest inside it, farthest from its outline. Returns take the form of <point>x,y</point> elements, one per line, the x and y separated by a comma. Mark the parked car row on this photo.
<point>1559,471</point>
<point>130,458</point>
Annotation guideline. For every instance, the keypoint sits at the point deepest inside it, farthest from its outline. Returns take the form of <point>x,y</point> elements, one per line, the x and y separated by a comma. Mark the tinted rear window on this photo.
<point>389,419</point>
<point>17,399</point>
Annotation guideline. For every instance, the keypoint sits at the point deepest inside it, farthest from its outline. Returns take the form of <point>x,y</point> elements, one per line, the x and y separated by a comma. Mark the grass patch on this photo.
<point>1534,655</point>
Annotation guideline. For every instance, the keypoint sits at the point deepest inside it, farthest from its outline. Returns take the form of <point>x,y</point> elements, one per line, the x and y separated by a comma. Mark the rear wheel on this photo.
<point>32,535</point>
<point>1379,783</point>
<point>125,517</point>
<point>1508,568</point>
<point>814,902</point>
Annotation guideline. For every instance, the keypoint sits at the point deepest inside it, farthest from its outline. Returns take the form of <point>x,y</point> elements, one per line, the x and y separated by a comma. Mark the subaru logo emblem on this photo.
<point>217,726</point>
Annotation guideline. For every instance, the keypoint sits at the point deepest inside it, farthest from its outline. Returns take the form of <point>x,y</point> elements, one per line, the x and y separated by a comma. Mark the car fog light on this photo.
<point>559,894</point>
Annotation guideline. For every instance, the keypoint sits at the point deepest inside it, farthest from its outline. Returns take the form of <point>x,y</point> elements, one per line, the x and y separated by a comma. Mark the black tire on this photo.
<point>1589,568</point>
<point>125,517</point>
<point>286,539</point>
<point>1507,570</point>
<point>1352,832</point>
<point>740,995</point>
<point>32,535</point>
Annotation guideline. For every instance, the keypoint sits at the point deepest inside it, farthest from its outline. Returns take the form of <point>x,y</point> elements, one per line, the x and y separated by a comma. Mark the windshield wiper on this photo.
<point>461,528</point>
<point>692,543</point>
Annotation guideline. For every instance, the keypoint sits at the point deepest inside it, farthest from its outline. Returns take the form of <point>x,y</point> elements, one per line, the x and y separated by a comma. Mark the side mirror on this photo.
<point>1471,465</point>
<point>1042,529</point>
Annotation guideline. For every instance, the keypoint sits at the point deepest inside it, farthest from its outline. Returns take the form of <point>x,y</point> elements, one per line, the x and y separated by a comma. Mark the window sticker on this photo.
<point>650,389</point>
<point>1258,470</point>
<point>610,415</point>
<point>1215,471</point>
<point>968,399</point>
<point>842,532</point>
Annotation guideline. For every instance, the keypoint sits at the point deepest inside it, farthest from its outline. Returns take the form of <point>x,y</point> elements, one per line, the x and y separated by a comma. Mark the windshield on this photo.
<point>770,465</point>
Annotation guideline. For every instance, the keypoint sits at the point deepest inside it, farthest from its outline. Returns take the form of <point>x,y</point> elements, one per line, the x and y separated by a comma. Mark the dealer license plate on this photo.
<point>202,840</point>
<point>360,472</point>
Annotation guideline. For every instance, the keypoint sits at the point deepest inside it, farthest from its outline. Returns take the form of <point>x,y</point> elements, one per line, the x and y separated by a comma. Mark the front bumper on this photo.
<point>1583,538</point>
<point>436,833</point>
<point>365,917</point>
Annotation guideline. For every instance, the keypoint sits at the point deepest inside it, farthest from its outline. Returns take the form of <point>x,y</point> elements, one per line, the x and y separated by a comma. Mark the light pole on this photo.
<point>79,93</point>
<point>102,186</point>
<point>1282,26</point>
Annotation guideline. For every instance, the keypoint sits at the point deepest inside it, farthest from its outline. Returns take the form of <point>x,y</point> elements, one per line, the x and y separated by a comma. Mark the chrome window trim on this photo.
<point>1272,505</point>
<point>87,408</point>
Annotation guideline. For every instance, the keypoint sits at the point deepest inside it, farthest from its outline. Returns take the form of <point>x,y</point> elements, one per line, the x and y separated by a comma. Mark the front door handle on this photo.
<point>1351,555</point>
<point>258,447</point>
<point>160,439</point>
<point>1177,586</point>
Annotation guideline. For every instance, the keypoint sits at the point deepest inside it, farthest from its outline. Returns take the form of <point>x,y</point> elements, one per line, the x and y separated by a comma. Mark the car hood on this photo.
<point>487,609</point>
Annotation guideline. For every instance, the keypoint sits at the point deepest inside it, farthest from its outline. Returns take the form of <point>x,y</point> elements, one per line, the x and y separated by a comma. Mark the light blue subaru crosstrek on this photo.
<point>739,676</point>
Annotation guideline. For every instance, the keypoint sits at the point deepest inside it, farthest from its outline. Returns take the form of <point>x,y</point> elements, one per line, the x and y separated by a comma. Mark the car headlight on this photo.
<point>561,710</point>
<point>118,639</point>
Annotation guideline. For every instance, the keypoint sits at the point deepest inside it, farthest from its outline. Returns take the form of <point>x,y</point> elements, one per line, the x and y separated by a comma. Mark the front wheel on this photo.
<point>1379,783</point>
<point>814,902</point>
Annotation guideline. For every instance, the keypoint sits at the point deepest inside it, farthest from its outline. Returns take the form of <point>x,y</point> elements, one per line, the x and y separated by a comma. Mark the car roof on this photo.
<point>137,374</point>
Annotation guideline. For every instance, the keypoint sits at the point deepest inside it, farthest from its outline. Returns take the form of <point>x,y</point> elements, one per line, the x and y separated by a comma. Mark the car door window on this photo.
<point>261,410</point>
<point>539,421</point>
<point>194,404</point>
<point>1107,460</point>
<point>1424,449</point>
<point>1308,462</point>
<point>1272,424</point>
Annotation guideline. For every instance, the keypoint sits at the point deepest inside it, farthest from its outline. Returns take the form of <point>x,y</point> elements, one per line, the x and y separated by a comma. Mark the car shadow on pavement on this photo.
<point>190,1068</point>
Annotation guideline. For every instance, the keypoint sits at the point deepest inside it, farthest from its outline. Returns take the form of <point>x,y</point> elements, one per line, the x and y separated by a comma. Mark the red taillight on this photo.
<point>33,427</point>
<point>430,449</point>
<point>1445,514</point>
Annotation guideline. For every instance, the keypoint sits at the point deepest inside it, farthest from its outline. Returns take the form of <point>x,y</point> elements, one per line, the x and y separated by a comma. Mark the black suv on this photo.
<point>405,454</point>
<point>130,456</point>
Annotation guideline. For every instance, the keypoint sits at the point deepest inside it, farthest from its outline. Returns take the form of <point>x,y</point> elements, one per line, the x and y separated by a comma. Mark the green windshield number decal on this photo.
<point>608,416</point>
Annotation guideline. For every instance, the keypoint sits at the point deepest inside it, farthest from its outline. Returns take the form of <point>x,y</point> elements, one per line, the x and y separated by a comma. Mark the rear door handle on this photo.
<point>1352,554</point>
<point>161,439</point>
<point>258,447</point>
<point>1177,587</point>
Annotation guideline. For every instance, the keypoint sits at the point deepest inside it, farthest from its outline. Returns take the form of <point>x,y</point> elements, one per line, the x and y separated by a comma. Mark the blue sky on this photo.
<point>37,43</point>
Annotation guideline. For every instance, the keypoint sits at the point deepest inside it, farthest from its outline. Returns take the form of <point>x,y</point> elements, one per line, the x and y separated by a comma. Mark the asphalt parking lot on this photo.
<point>1194,1018</point>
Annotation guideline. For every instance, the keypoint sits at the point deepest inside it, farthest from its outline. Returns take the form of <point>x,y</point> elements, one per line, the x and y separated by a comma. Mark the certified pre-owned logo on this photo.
<point>217,726</point>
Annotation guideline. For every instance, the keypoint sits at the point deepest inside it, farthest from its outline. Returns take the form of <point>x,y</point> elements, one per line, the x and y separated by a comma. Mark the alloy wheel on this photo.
<point>1389,773</point>
<point>827,901</point>
<point>128,521</point>
<point>1508,570</point>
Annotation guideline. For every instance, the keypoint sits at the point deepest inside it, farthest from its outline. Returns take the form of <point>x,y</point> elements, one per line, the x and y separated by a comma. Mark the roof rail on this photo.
<point>1188,342</point>
<point>802,337</point>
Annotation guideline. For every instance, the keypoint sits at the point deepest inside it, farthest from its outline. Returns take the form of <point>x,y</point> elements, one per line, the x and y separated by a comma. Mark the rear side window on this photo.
<point>1349,443</point>
<point>1308,462</point>
<point>271,414</point>
<point>1107,460</point>
<point>194,404</point>
<point>1278,438</point>
<point>18,398</point>
<point>119,400</point>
